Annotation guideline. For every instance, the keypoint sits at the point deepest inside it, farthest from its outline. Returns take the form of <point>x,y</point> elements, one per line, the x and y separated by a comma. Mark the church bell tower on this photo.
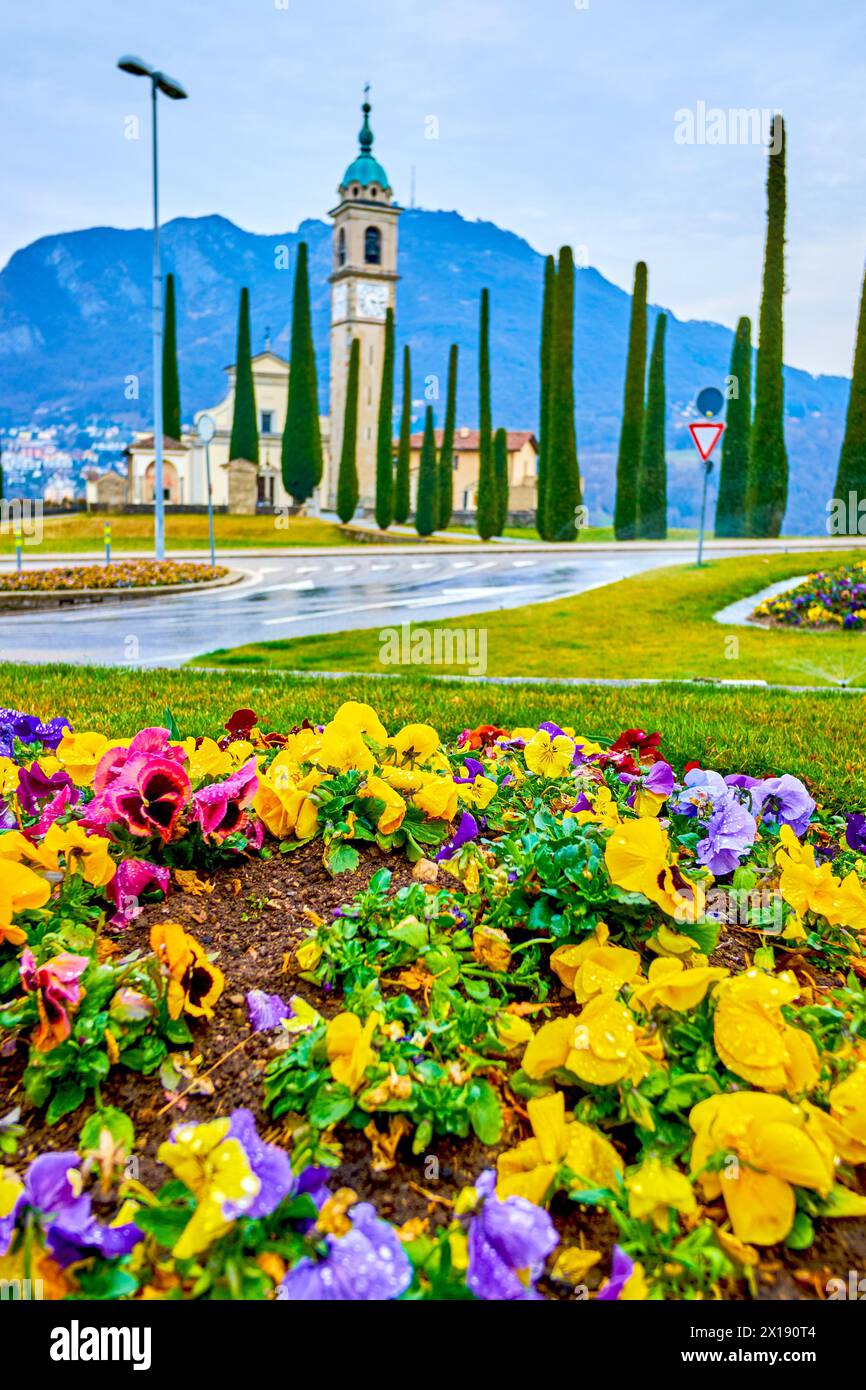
<point>363,287</point>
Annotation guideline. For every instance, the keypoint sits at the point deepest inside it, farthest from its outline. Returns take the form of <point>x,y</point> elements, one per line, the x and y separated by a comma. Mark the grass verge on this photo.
<point>817,737</point>
<point>658,624</point>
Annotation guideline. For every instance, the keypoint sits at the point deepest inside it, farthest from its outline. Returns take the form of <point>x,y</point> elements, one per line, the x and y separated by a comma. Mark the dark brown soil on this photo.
<point>251,923</point>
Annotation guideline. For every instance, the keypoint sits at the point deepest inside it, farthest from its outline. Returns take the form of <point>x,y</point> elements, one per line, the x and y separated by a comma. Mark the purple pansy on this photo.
<point>621,1270</point>
<point>730,830</point>
<point>700,791</point>
<point>466,830</point>
<point>855,833</point>
<point>71,1230</point>
<point>368,1264</point>
<point>508,1243</point>
<point>29,728</point>
<point>785,800</point>
<point>270,1164</point>
<point>35,788</point>
<point>266,1011</point>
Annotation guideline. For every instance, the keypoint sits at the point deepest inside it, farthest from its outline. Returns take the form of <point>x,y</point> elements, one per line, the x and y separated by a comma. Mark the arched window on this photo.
<point>373,246</point>
<point>341,247</point>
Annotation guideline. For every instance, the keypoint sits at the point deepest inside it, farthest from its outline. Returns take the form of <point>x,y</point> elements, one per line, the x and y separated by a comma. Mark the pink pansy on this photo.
<point>134,877</point>
<point>146,797</point>
<point>220,808</point>
<point>57,986</point>
<point>146,741</point>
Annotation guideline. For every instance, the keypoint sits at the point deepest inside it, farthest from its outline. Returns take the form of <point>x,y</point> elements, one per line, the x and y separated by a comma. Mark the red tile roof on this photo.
<point>174,445</point>
<point>466,441</point>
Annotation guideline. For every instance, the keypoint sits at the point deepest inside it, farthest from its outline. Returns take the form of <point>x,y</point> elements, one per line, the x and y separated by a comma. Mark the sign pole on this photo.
<point>705,437</point>
<point>206,429</point>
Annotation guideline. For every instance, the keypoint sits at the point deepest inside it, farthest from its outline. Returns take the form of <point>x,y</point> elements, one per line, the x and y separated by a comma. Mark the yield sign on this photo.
<point>706,435</point>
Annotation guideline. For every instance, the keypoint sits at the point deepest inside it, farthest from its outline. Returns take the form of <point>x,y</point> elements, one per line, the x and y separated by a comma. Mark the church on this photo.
<point>363,282</point>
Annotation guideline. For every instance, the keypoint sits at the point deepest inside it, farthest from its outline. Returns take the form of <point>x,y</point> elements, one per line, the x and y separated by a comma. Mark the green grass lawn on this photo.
<point>659,624</point>
<point>817,737</point>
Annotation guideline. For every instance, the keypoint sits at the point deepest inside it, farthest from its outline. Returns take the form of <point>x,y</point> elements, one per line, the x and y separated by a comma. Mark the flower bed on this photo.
<point>343,1012</point>
<point>120,574</point>
<point>836,599</point>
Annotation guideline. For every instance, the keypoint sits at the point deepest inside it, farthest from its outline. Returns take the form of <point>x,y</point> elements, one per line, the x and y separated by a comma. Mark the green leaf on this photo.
<point>164,1223</point>
<point>485,1112</point>
<point>332,1103</point>
<point>68,1097</point>
<point>118,1124</point>
<point>171,724</point>
<point>341,858</point>
<point>801,1234</point>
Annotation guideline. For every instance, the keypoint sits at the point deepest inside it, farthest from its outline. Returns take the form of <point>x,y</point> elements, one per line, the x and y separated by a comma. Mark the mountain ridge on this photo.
<point>75,314</point>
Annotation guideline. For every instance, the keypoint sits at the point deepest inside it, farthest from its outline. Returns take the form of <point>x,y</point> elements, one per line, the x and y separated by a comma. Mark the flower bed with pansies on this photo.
<point>120,574</point>
<point>341,1012</point>
<point>834,599</point>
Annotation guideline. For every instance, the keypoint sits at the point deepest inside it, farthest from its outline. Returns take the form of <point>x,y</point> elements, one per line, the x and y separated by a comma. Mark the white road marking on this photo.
<point>422,564</point>
<point>381,567</point>
<point>343,569</point>
<point>523,564</point>
<point>463,564</point>
<point>296,584</point>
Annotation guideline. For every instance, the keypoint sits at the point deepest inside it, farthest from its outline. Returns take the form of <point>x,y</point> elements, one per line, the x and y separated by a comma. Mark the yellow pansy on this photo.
<point>85,854</point>
<point>342,748</point>
<point>437,798</point>
<point>80,754</point>
<point>216,1170</point>
<point>593,967</point>
<point>637,858</point>
<point>194,982</point>
<point>802,883</point>
<point>549,757</point>
<point>604,810</point>
<point>530,1167</point>
<point>349,1047</point>
<point>753,1039</point>
<point>208,759</point>
<point>394,810</point>
<point>670,984</point>
<point>8,776</point>
<point>415,743</point>
<point>308,954</point>
<point>655,1189</point>
<point>20,890</point>
<point>285,805</point>
<point>848,908</point>
<point>354,714</point>
<point>600,1045</point>
<point>845,1126</point>
<point>769,1146</point>
<point>478,793</point>
<point>403,779</point>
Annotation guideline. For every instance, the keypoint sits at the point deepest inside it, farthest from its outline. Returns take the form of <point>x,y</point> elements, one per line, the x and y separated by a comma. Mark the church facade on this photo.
<point>363,283</point>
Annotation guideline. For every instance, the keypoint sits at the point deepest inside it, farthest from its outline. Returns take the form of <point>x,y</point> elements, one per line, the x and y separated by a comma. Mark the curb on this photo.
<point>15,602</point>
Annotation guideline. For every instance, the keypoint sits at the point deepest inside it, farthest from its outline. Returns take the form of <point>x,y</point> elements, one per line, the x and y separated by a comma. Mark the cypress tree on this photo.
<point>628,458</point>
<point>446,453</point>
<point>500,469</point>
<point>170,378</point>
<point>486,506</point>
<point>731,501</point>
<point>428,482</point>
<point>851,476</point>
<point>384,447</point>
<point>767,488</point>
<point>302,439</point>
<point>562,480</point>
<point>245,435</point>
<point>347,479</point>
<point>547,314</point>
<point>402,488</point>
<point>652,484</point>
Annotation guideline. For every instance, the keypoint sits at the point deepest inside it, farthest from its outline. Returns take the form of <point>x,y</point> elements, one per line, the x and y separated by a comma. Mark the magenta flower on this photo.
<point>35,788</point>
<point>146,797</point>
<point>220,809</point>
<point>133,878</point>
<point>146,742</point>
<point>508,1243</point>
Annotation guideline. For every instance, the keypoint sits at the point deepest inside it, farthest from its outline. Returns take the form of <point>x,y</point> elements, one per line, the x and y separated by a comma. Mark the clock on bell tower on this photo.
<point>363,284</point>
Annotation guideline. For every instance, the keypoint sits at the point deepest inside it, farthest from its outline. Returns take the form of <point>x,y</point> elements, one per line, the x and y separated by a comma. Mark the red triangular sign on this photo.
<point>706,435</point>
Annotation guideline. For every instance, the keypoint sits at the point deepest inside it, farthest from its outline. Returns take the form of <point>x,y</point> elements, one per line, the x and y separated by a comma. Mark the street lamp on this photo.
<point>206,432</point>
<point>159,81</point>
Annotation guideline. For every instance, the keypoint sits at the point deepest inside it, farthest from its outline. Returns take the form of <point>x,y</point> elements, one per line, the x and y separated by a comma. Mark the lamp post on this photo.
<point>159,82</point>
<point>206,431</point>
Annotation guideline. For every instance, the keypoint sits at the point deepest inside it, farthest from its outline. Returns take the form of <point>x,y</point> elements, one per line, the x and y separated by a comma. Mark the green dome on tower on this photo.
<point>365,169</point>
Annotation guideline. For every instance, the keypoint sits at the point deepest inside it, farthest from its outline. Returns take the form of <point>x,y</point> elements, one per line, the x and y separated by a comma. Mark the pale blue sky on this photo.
<point>555,121</point>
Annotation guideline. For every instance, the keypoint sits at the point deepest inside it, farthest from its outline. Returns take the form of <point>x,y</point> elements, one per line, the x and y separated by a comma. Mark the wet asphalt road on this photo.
<point>286,596</point>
